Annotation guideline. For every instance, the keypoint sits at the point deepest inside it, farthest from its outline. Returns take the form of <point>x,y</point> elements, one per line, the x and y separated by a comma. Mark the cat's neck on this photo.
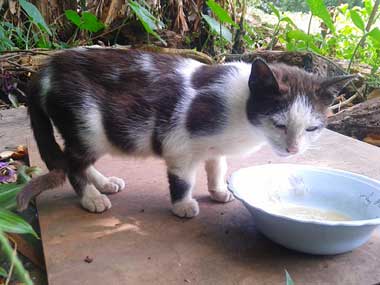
<point>240,135</point>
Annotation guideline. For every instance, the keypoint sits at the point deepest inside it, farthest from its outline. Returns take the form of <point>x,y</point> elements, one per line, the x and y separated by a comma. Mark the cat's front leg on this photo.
<point>181,176</point>
<point>216,170</point>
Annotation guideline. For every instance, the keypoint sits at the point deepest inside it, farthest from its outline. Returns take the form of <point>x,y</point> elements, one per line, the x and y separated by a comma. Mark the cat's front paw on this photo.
<point>186,209</point>
<point>114,185</point>
<point>96,203</point>
<point>221,196</point>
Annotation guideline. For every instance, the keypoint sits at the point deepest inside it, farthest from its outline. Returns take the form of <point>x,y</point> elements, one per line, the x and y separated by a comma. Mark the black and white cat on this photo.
<point>141,104</point>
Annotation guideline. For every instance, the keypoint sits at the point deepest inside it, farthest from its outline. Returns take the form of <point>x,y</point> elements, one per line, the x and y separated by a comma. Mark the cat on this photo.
<point>107,101</point>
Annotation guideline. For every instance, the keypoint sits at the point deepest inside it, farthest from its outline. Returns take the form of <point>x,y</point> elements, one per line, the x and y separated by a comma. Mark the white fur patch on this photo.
<point>92,130</point>
<point>186,209</point>
<point>45,87</point>
<point>93,201</point>
<point>106,185</point>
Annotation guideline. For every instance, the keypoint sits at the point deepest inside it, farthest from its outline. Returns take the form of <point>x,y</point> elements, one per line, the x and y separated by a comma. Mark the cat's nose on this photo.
<point>293,149</point>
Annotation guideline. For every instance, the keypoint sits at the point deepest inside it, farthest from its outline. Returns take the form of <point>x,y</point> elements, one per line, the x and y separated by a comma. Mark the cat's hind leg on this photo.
<point>90,197</point>
<point>216,170</point>
<point>106,185</point>
<point>181,176</point>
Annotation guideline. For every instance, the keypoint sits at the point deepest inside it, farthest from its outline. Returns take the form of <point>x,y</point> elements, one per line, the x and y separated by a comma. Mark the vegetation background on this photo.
<point>343,34</point>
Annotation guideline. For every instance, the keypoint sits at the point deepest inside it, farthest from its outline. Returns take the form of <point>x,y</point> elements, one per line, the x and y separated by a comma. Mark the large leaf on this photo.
<point>8,194</point>
<point>289,280</point>
<point>358,21</point>
<point>73,17</point>
<point>87,21</point>
<point>375,34</point>
<point>12,223</point>
<point>35,15</point>
<point>274,10</point>
<point>218,28</point>
<point>149,22</point>
<point>318,8</point>
<point>221,13</point>
<point>289,21</point>
<point>298,35</point>
<point>91,23</point>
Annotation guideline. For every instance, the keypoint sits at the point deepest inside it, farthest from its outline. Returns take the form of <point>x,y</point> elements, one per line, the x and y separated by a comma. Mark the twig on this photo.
<point>344,103</point>
<point>37,51</point>
<point>340,69</point>
<point>105,33</point>
<point>21,66</point>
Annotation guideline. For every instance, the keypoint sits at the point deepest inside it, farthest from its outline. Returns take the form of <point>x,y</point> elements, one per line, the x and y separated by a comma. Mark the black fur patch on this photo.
<point>178,187</point>
<point>207,114</point>
<point>207,75</point>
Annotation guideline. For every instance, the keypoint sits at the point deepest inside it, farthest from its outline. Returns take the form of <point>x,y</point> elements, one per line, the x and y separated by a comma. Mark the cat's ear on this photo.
<point>329,88</point>
<point>262,80</point>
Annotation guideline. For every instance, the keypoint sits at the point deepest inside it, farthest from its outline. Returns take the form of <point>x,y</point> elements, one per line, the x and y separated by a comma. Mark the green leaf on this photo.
<point>248,40</point>
<point>375,34</point>
<point>318,8</point>
<point>298,35</point>
<point>35,15</point>
<point>22,177</point>
<point>8,193</point>
<point>13,99</point>
<point>3,273</point>
<point>288,20</point>
<point>91,23</point>
<point>368,6</point>
<point>274,10</point>
<point>358,21</point>
<point>221,13</point>
<point>149,22</point>
<point>216,27</point>
<point>12,223</point>
<point>289,280</point>
<point>73,17</point>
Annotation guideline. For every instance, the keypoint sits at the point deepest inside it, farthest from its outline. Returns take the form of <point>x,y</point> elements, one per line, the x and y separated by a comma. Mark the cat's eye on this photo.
<point>312,129</point>
<point>279,126</point>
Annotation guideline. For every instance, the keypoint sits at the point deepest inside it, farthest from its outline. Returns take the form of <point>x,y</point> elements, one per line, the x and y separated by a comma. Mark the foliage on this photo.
<point>13,223</point>
<point>86,22</point>
<point>150,23</point>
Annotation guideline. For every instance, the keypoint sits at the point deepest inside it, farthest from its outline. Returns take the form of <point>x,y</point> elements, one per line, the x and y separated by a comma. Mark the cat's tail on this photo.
<point>51,153</point>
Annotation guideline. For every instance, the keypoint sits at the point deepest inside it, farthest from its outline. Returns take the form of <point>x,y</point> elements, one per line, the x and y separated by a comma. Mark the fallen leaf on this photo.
<point>6,154</point>
<point>373,139</point>
<point>374,94</point>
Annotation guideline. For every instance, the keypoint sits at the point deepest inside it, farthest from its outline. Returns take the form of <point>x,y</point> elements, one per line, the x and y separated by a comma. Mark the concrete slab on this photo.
<point>139,241</point>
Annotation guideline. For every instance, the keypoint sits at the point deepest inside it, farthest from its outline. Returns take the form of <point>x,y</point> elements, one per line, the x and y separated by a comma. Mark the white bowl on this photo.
<point>266,190</point>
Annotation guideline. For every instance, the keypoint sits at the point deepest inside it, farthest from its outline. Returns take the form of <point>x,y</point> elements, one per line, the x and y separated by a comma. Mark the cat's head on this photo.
<point>289,104</point>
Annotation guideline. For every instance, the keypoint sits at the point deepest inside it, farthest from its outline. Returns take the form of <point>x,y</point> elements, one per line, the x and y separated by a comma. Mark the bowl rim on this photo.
<point>355,223</point>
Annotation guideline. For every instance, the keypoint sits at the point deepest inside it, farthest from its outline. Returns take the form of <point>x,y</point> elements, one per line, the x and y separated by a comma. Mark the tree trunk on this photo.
<point>360,121</point>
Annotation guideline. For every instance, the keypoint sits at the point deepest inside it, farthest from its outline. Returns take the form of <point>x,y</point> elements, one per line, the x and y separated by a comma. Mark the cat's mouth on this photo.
<point>283,153</point>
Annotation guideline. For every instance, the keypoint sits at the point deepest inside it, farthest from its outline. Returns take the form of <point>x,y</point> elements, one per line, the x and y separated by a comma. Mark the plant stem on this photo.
<point>276,29</point>
<point>308,30</point>
<point>372,16</point>
<point>11,268</point>
<point>355,51</point>
<point>19,268</point>
<point>27,36</point>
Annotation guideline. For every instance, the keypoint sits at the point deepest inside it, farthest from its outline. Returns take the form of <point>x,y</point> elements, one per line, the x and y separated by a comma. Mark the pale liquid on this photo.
<point>311,214</point>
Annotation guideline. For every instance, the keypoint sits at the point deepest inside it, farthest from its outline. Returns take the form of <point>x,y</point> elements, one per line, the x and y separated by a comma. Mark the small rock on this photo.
<point>142,211</point>
<point>187,280</point>
<point>88,259</point>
